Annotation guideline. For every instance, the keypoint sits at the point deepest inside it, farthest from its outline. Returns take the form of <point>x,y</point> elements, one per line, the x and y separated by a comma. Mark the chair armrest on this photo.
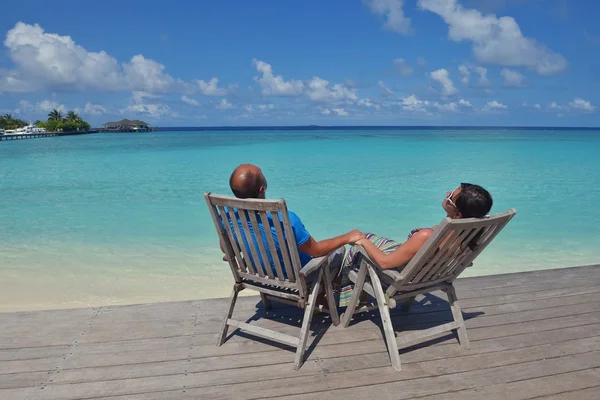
<point>314,265</point>
<point>395,275</point>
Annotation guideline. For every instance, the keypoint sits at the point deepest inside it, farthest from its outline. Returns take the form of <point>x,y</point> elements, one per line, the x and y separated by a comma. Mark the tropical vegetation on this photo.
<point>69,122</point>
<point>7,121</point>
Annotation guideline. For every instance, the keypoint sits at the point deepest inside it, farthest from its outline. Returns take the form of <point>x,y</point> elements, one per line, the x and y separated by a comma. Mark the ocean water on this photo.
<point>120,218</point>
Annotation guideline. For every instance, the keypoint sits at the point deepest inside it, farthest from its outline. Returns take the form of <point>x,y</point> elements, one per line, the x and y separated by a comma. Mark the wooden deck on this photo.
<point>533,335</point>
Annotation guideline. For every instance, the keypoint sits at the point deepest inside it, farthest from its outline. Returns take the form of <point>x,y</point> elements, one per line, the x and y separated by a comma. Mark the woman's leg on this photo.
<point>351,262</point>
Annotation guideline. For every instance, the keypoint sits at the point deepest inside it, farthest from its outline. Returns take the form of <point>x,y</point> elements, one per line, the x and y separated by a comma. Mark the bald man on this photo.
<point>248,182</point>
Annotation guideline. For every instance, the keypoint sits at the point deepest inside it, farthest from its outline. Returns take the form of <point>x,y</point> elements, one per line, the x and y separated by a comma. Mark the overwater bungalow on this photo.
<point>126,125</point>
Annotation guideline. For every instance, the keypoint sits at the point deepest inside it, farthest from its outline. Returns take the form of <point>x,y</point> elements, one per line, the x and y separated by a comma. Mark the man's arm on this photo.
<point>323,247</point>
<point>401,255</point>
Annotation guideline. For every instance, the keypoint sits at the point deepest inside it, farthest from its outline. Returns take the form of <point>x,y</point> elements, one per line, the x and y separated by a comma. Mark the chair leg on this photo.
<point>232,299</point>
<point>405,307</point>
<point>333,312</point>
<point>457,314</point>
<point>358,287</point>
<point>308,314</point>
<point>386,320</point>
<point>266,302</point>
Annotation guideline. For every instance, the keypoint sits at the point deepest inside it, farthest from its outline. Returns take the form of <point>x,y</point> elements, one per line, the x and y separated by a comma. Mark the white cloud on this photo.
<point>318,89</point>
<point>259,107</point>
<point>452,106</point>
<point>554,106</point>
<point>442,77</point>
<point>403,67</point>
<point>412,103</point>
<point>393,13</point>
<point>49,105</point>
<point>50,61</point>
<point>211,88</point>
<point>497,41</point>
<point>275,85</point>
<point>483,80</point>
<point>465,74</point>
<point>367,102</point>
<point>464,103</point>
<point>94,109</point>
<point>340,112</point>
<point>495,105</point>
<point>224,105</point>
<point>385,91</point>
<point>325,111</point>
<point>582,105</point>
<point>190,101</point>
<point>537,107</point>
<point>154,109</point>
<point>512,78</point>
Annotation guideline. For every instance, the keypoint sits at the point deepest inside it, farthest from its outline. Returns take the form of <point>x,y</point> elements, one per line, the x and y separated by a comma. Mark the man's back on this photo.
<point>300,233</point>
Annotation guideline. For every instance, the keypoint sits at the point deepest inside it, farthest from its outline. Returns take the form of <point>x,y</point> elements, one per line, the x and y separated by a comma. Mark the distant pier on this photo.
<point>41,135</point>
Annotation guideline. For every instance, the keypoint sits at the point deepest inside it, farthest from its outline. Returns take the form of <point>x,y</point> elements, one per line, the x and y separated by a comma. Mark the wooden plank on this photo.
<point>350,384</point>
<point>272,248</point>
<point>261,243</point>
<point>569,385</point>
<point>563,360</point>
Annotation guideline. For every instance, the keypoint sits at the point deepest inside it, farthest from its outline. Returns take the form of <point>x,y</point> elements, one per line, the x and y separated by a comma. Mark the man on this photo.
<point>248,182</point>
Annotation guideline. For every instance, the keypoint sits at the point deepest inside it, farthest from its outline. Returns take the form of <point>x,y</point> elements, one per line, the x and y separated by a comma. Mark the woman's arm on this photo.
<point>401,255</point>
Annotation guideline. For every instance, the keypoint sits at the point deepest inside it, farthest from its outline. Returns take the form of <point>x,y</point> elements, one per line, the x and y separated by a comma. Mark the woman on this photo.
<point>466,201</point>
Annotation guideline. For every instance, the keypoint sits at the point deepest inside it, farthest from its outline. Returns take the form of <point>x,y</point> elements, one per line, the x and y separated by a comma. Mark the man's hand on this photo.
<point>354,236</point>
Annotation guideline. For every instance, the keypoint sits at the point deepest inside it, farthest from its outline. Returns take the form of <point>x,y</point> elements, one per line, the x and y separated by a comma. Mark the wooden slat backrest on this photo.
<point>236,219</point>
<point>451,248</point>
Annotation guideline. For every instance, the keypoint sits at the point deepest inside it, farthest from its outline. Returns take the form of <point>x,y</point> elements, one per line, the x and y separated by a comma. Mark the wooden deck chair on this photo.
<point>277,276</point>
<point>451,248</point>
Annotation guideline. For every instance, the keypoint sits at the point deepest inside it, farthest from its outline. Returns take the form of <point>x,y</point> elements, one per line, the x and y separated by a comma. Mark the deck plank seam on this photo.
<point>69,352</point>
<point>566,391</point>
<point>440,375</point>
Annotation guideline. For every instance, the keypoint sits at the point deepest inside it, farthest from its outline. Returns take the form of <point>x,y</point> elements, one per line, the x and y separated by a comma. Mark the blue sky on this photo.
<point>336,62</point>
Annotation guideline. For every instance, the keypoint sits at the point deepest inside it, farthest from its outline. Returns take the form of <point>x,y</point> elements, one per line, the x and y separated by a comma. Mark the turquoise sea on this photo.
<point>120,218</point>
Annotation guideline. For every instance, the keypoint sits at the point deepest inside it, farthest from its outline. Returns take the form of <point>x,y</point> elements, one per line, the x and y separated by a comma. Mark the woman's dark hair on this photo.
<point>473,201</point>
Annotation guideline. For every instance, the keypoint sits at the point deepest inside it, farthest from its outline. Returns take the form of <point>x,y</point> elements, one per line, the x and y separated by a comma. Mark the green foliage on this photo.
<point>56,122</point>
<point>7,121</point>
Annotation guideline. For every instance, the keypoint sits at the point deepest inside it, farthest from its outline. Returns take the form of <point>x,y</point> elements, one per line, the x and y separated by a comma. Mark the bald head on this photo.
<point>248,182</point>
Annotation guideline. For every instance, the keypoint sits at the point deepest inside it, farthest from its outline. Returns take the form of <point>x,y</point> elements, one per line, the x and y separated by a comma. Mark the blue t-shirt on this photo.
<point>301,236</point>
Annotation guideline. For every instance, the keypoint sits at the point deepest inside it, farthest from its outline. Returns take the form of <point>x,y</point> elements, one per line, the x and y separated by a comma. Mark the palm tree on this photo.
<point>73,116</point>
<point>55,115</point>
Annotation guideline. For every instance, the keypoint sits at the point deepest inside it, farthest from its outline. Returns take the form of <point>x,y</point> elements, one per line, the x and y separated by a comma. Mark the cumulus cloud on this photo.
<point>414,104</point>
<point>367,102</point>
<point>318,89</point>
<point>44,106</point>
<point>93,109</point>
<point>443,78</point>
<point>224,105</point>
<point>537,106</point>
<point>275,85</point>
<point>403,67</point>
<point>50,61</point>
<point>496,40</point>
<point>464,103</point>
<point>340,112</point>
<point>393,13</point>
<point>582,105</point>
<point>495,105</point>
<point>512,78</point>
<point>140,105</point>
<point>190,101</point>
<point>211,88</point>
<point>483,81</point>
<point>325,111</point>
<point>49,105</point>
<point>465,74</point>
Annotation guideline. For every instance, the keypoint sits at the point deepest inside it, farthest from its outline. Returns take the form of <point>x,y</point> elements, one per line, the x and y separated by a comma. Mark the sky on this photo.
<point>304,62</point>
